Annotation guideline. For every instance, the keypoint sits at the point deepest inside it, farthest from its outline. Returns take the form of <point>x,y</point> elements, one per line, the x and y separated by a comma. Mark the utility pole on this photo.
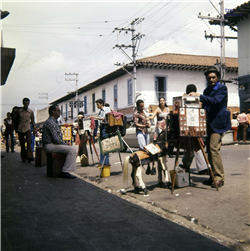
<point>222,35</point>
<point>74,79</point>
<point>44,96</point>
<point>135,38</point>
<point>222,43</point>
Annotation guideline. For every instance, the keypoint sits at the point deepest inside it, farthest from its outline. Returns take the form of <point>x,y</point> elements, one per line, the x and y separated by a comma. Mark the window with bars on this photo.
<point>115,97</point>
<point>104,95</point>
<point>160,88</point>
<point>93,102</point>
<point>85,105</point>
<point>130,92</point>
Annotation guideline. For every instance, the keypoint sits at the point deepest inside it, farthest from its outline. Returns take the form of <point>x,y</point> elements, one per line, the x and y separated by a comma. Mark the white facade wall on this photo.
<point>244,47</point>
<point>176,82</point>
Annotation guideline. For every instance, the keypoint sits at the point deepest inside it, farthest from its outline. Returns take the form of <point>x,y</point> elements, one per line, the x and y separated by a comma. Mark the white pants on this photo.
<point>70,162</point>
<point>163,168</point>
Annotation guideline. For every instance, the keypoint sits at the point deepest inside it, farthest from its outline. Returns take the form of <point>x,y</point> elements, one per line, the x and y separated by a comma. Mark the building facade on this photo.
<point>239,21</point>
<point>165,75</point>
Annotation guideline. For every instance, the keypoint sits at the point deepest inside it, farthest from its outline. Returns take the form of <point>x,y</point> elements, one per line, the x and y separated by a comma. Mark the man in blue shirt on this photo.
<point>214,99</point>
<point>53,142</point>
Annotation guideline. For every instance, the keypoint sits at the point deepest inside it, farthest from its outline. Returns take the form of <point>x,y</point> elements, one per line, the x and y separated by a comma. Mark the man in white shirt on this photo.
<point>101,117</point>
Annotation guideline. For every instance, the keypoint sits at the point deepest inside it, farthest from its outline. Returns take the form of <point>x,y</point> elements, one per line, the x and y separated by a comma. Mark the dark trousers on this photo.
<point>25,137</point>
<point>11,134</point>
<point>243,131</point>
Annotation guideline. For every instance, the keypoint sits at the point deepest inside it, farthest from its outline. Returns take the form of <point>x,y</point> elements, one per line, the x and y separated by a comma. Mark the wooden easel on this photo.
<point>91,142</point>
<point>205,156</point>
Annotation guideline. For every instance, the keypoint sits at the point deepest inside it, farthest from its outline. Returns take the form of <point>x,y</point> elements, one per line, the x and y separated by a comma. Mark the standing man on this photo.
<point>243,124</point>
<point>53,142</point>
<point>214,99</point>
<point>101,117</point>
<point>26,117</point>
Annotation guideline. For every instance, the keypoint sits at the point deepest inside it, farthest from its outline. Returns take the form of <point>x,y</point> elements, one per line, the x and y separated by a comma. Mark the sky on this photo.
<point>54,38</point>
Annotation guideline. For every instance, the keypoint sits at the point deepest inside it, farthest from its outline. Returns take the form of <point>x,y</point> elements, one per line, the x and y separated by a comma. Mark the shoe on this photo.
<point>67,176</point>
<point>170,156</point>
<point>208,182</point>
<point>204,172</point>
<point>169,185</point>
<point>153,171</point>
<point>30,159</point>
<point>24,160</point>
<point>12,151</point>
<point>148,171</point>
<point>162,185</point>
<point>219,183</point>
<point>184,167</point>
<point>145,190</point>
<point>137,190</point>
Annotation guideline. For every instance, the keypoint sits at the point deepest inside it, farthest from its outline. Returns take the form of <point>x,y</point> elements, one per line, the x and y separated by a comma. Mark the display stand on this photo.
<point>191,123</point>
<point>109,144</point>
<point>87,131</point>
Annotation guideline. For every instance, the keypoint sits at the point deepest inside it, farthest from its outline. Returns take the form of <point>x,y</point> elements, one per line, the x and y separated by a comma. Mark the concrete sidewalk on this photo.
<point>40,213</point>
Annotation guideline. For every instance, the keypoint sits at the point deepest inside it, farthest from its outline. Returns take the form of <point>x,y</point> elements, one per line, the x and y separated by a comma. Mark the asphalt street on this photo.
<point>41,213</point>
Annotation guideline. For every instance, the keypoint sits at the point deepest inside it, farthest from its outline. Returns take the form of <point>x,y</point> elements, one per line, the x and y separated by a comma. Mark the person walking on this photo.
<point>26,117</point>
<point>9,131</point>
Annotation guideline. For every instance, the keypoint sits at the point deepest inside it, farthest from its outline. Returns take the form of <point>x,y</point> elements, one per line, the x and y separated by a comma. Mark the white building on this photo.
<point>164,75</point>
<point>239,20</point>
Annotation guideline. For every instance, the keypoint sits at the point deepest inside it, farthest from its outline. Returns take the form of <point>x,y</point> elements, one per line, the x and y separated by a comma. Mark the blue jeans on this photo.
<point>33,142</point>
<point>143,139</point>
<point>107,155</point>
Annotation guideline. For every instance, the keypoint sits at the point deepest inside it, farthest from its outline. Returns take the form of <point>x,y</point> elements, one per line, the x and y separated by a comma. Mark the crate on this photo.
<point>112,121</point>
<point>55,162</point>
<point>41,157</point>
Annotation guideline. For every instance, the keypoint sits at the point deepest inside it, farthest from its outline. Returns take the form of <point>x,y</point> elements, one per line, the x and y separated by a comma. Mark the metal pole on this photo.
<point>134,57</point>
<point>222,33</point>
<point>77,98</point>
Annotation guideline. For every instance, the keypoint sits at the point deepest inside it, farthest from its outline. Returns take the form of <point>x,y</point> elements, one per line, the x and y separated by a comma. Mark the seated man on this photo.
<point>53,142</point>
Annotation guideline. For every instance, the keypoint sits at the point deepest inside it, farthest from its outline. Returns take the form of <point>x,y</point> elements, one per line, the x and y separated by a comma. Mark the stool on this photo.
<point>41,158</point>
<point>55,162</point>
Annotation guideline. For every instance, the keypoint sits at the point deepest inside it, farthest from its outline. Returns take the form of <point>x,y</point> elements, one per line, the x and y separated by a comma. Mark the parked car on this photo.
<point>131,139</point>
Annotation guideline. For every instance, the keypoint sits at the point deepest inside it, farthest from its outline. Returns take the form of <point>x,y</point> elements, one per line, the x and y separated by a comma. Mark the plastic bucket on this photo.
<point>105,171</point>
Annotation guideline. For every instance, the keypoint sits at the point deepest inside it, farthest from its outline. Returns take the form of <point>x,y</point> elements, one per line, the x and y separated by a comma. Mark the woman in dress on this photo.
<point>161,112</point>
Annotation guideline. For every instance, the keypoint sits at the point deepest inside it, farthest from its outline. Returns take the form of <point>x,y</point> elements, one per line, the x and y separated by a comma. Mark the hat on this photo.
<point>212,69</point>
<point>190,88</point>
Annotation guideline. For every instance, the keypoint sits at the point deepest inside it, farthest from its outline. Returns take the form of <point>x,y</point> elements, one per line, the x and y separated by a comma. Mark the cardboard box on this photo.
<point>112,121</point>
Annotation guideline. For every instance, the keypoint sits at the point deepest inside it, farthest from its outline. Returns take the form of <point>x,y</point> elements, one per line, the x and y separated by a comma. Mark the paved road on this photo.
<point>223,214</point>
<point>40,213</point>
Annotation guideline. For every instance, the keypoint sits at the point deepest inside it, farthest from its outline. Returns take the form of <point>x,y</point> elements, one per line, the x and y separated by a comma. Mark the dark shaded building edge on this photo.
<point>244,92</point>
<point>7,59</point>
